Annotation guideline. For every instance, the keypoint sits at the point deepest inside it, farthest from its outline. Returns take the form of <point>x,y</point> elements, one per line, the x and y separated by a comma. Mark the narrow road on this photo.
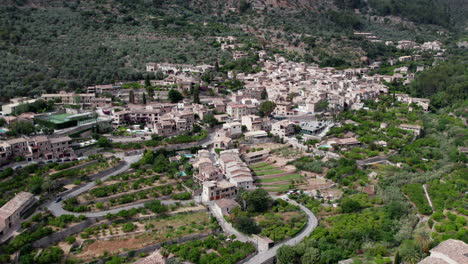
<point>228,228</point>
<point>427,196</point>
<point>58,209</point>
<point>269,254</point>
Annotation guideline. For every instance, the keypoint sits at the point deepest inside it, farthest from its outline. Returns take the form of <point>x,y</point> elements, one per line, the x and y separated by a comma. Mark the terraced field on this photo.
<point>273,178</point>
<point>280,178</point>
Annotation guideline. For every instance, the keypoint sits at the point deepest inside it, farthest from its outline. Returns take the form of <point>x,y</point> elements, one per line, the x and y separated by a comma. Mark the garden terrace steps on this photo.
<point>273,175</point>
<point>118,195</point>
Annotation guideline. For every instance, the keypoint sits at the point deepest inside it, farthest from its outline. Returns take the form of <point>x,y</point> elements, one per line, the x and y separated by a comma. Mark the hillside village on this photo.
<point>201,147</point>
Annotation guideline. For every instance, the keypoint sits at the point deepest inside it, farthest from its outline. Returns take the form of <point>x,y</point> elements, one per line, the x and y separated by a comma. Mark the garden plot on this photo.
<point>111,239</point>
<point>214,249</point>
<point>274,178</point>
<point>277,220</point>
<point>127,188</point>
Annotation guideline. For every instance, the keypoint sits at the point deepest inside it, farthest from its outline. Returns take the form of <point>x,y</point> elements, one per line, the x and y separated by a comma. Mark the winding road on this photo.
<point>265,256</point>
<point>312,223</point>
<point>56,208</point>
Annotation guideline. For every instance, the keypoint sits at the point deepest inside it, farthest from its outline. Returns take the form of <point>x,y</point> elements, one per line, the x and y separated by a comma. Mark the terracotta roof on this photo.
<point>15,141</point>
<point>60,139</point>
<point>454,249</point>
<point>154,258</point>
<point>433,260</point>
<point>15,204</point>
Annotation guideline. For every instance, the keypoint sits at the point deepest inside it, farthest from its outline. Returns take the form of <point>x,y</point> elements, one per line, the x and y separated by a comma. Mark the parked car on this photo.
<point>58,199</point>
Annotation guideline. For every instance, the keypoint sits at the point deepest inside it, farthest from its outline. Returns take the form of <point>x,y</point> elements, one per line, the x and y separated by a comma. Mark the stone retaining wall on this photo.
<point>154,247</point>
<point>59,236</point>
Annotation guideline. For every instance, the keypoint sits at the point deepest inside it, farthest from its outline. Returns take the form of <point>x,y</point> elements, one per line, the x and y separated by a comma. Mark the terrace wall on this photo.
<point>154,247</point>
<point>61,235</point>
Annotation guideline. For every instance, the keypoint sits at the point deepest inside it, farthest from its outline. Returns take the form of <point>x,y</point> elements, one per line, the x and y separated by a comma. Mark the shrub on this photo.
<point>156,206</point>
<point>181,196</point>
<point>128,227</point>
<point>70,239</point>
<point>246,225</point>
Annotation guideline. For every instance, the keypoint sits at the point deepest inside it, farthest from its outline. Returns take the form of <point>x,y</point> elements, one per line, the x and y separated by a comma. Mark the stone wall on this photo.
<point>58,236</point>
<point>108,171</point>
<point>151,248</point>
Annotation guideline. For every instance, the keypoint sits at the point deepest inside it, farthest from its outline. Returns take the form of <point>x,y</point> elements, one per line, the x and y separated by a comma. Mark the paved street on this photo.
<point>311,225</point>
<point>228,228</point>
<point>56,208</point>
<point>266,255</point>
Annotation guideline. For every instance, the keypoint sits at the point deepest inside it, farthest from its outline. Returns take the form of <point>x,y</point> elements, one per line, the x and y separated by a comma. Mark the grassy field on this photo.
<point>268,172</point>
<point>280,178</point>
<point>266,167</point>
<point>258,165</point>
<point>276,188</point>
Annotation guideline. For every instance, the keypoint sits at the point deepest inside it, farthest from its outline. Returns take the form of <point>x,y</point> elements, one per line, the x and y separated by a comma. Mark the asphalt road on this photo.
<point>57,208</point>
<point>227,227</point>
<point>269,254</point>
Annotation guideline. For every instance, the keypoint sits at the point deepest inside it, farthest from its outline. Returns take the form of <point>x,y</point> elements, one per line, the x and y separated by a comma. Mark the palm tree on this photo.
<point>424,240</point>
<point>412,258</point>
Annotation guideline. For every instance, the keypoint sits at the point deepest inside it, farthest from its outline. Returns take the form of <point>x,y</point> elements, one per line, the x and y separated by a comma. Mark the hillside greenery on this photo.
<point>55,45</point>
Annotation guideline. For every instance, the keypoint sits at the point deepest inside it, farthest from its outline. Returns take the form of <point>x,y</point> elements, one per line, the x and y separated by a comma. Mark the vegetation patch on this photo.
<point>281,178</point>
<point>211,250</point>
<point>416,194</point>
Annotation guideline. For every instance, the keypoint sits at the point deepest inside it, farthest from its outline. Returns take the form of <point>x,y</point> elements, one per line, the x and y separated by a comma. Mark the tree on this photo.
<point>147,81</point>
<point>311,256</point>
<point>321,106</point>
<point>264,94</point>
<point>196,94</point>
<point>286,255</point>
<point>246,225</point>
<point>350,206</point>
<point>244,6</point>
<point>104,142</point>
<point>159,75</point>
<point>257,201</point>
<point>131,97</point>
<point>424,240</point>
<point>397,259</point>
<point>21,128</point>
<point>156,206</point>
<point>266,108</point>
<point>50,255</point>
<point>210,120</point>
<point>174,96</point>
<point>70,240</point>
<point>409,252</point>
<point>150,91</point>
<point>128,227</point>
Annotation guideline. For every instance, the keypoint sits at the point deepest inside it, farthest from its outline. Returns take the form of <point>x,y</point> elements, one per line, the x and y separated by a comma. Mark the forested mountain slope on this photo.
<point>53,45</point>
